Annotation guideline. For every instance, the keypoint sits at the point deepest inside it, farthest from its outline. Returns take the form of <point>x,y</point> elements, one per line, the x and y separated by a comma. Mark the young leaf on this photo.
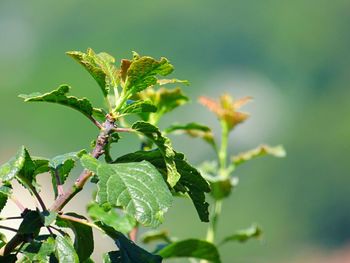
<point>100,66</point>
<point>277,151</point>
<point>111,218</point>
<point>194,130</point>
<point>190,182</point>
<point>221,187</point>
<point>64,250</point>
<point>138,107</point>
<point>84,240</point>
<point>59,96</point>
<point>142,73</point>
<point>128,252</point>
<point>226,109</point>
<point>137,187</point>
<point>244,235</point>
<point>162,82</point>
<point>164,146</point>
<point>164,99</point>
<point>191,248</point>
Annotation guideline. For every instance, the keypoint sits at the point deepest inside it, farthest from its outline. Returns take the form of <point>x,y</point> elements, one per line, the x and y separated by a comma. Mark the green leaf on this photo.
<point>100,66</point>
<point>191,181</point>
<point>37,251</point>
<point>8,259</point>
<point>222,187</point>
<point>162,82</point>
<point>23,168</point>
<point>191,248</point>
<point>111,218</point>
<point>84,240</point>
<point>48,217</point>
<point>60,96</point>
<point>143,71</point>
<point>12,168</point>
<point>194,130</point>
<point>128,252</point>
<point>164,146</point>
<point>164,99</point>
<point>62,165</point>
<point>64,250</point>
<point>138,107</point>
<point>137,187</point>
<point>155,235</point>
<point>277,151</point>
<point>5,192</point>
<point>244,235</point>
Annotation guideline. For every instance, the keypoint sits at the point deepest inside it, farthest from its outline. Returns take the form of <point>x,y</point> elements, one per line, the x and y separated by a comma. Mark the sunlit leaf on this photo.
<point>121,223</point>
<point>137,187</point>
<point>191,181</point>
<point>100,66</point>
<point>64,250</point>
<point>84,240</point>
<point>60,96</point>
<point>138,107</point>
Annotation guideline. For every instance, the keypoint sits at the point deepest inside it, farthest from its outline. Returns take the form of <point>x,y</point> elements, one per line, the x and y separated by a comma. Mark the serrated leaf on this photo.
<point>142,73</point>
<point>38,251</point>
<point>111,218</point>
<point>83,241</point>
<point>191,181</point>
<point>164,146</point>
<point>194,130</point>
<point>277,151</point>
<point>64,250</point>
<point>61,166</point>
<point>5,192</point>
<point>191,248</point>
<point>128,252</point>
<point>138,107</point>
<point>60,96</point>
<point>23,168</point>
<point>244,235</point>
<point>137,187</point>
<point>100,66</point>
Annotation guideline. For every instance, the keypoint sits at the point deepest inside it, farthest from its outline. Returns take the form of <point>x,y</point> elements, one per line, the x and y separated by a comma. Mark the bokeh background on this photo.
<point>292,56</point>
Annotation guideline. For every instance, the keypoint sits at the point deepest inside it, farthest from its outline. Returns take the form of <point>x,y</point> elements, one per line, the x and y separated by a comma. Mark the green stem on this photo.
<point>222,155</point>
<point>214,221</point>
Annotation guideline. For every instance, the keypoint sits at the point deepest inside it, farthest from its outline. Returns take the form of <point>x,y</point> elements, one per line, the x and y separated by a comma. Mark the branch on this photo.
<point>102,140</point>
<point>9,228</point>
<point>80,221</point>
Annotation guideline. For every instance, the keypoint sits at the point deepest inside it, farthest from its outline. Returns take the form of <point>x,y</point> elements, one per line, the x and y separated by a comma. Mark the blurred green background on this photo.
<point>292,56</point>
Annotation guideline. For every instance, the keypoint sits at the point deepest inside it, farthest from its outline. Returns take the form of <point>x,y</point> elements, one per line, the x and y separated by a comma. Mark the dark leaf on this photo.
<point>191,248</point>
<point>164,146</point>
<point>84,240</point>
<point>128,252</point>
